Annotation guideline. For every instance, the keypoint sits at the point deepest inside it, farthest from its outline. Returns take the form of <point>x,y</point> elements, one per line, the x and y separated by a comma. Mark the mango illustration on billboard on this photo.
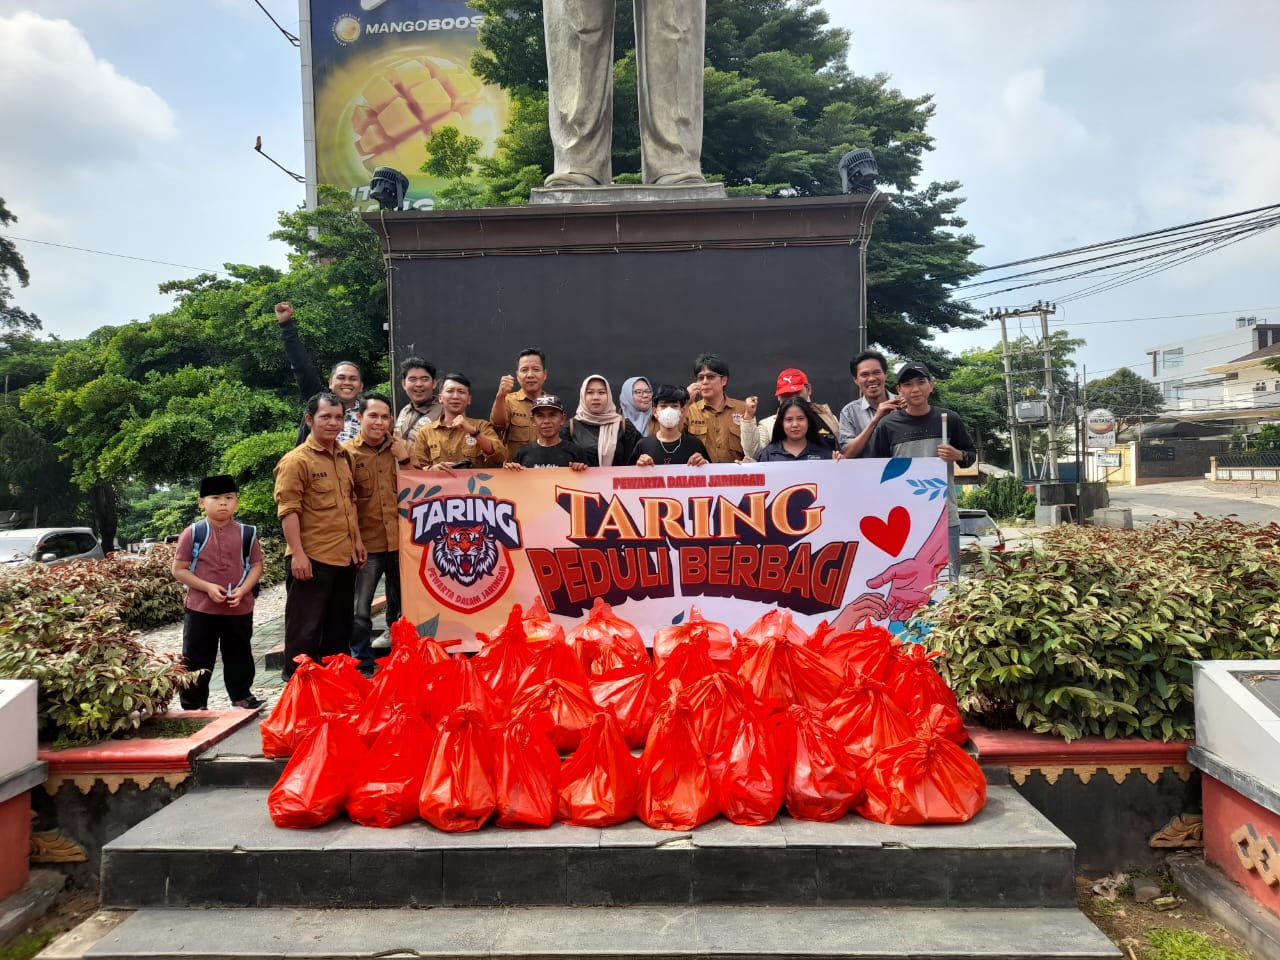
<point>385,76</point>
<point>827,541</point>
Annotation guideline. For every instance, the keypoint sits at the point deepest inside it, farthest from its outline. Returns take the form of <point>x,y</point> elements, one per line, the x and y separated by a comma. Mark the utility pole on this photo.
<point>1008,393</point>
<point>1046,310</point>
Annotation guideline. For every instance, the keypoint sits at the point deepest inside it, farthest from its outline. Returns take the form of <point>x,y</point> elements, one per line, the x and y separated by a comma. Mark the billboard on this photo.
<point>835,541</point>
<point>378,77</point>
<point>1101,429</point>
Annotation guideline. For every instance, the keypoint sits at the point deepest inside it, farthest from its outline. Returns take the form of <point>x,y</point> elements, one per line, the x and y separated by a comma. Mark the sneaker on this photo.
<point>249,703</point>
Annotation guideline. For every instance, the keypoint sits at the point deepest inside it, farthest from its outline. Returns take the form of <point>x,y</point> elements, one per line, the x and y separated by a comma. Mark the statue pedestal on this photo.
<point>632,289</point>
<point>626,193</point>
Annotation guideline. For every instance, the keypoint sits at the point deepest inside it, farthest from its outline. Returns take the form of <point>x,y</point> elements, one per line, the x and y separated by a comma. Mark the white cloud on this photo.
<point>67,108</point>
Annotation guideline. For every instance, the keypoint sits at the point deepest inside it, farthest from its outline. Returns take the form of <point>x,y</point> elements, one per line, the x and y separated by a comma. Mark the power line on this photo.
<point>292,38</point>
<point>122,256</point>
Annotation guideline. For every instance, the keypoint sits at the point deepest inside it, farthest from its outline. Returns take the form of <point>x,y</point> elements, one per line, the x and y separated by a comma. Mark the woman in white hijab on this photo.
<point>636,401</point>
<point>606,437</point>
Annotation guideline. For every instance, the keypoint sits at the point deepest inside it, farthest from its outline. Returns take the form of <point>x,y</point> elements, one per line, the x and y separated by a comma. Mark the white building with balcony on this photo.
<point>1220,372</point>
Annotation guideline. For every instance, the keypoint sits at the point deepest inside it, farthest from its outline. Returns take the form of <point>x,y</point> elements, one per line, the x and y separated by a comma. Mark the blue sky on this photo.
<point>130,126</point>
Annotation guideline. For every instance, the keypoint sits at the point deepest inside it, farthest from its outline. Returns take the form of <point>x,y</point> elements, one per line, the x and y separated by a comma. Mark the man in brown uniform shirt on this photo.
<point>456,439</point>
<point>315,500</point>
<point>419,381</point>
<point>374,453</point>
<point>718,421</point>
<point>512,413</point>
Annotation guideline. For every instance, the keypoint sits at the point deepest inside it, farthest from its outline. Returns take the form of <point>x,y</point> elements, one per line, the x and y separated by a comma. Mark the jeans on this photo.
<point>317,613</point>
<point>378,565</point>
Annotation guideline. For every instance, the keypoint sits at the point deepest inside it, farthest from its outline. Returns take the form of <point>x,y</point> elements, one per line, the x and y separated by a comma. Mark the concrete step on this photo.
<point>617,933</point>
<point>219,848</point>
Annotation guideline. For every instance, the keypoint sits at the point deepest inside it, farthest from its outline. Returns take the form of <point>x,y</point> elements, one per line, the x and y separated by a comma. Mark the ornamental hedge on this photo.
<point>1094,631</point>
<point>74,629</point>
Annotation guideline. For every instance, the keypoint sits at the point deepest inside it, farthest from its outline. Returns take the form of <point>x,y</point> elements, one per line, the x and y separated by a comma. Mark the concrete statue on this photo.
<point>670,41</point>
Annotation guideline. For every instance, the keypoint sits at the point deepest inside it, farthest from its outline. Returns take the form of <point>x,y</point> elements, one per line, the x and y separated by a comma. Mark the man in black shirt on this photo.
<point>670,447</point>
<point>548,449</point>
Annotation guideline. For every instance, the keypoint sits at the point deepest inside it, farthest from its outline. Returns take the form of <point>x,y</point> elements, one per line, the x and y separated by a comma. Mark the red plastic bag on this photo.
<point>553,661</point>
<point>314,784</point>
<point>715,704</point>
<point>455,683</point>
<point>717,637</point>
<point>348,668</point>
<point>598,783</point>
<point>403,681</point>
<point>504,657</point>
<point>527,777</point>
<point>777,624</point>
<point>384,792</point>
<point>311,693</point>
<point>916,687</point>
<point>630,694</point>
<point>568,704</point>
<point>605,642</point>
<point>927,779</point>
<point>457,789</point>
<point>674,789</point>
<point>822,776</point>
<point>868,649</point>
<point>779,669</point>
<point>866,719</point>
<point>404,633</point>
<point>539,628</point>
<point>749,769</point>
<point>688,662</point>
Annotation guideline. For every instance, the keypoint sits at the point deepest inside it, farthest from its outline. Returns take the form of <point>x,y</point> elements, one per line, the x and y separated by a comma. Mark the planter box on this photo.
<point>1112,797</point>
<point>92,794</point>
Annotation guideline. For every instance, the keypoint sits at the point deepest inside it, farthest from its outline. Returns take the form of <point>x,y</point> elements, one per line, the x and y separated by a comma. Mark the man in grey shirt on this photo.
<point>858,419</point>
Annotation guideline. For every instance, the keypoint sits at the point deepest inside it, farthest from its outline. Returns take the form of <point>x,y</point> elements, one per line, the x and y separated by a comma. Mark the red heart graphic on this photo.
<point>890,536</point>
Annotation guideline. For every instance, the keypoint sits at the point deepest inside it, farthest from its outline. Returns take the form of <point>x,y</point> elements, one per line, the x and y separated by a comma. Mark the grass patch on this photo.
<point>27,945</point>
<point>1187,945</point>
<point>166,728</point>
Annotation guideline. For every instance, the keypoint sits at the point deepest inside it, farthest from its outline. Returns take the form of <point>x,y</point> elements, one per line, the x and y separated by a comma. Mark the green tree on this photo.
<point>1127,395</point>
<point>781,108</point>
<point>205,388</point>
<point>13,319</point>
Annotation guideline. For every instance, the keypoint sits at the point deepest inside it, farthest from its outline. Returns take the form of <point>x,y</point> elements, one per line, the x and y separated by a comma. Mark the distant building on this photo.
<point>1219,373</point>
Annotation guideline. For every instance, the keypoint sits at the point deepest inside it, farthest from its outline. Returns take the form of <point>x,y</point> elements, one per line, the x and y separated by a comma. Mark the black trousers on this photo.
<point>202,635</point>
<point>318,613</point>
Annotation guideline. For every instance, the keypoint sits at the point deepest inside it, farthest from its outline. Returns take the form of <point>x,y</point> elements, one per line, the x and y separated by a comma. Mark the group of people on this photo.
<point>336,491</point>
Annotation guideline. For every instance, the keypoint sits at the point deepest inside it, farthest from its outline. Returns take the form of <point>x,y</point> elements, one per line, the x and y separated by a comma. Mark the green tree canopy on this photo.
<point>781,108</point>
<point>205,388</point>
<point>13,319</point>
<point>1127,395</point>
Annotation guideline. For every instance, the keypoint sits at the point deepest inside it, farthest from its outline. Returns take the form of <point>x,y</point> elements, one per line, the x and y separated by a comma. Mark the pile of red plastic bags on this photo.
<point>739,724</point>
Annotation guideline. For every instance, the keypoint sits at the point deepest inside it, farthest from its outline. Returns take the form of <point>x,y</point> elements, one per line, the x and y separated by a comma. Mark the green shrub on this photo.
<point>1005,498</point>
<point>1095,631</point>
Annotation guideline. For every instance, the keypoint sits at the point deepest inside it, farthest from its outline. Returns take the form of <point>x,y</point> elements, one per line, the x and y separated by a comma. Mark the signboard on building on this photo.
<point>1100,429</point>
<point>835,541</point>
<point>378,78</point>
<point>1107,459</point>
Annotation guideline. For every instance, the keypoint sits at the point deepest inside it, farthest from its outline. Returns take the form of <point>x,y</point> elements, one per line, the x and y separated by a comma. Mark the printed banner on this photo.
<point>828,541</point>
<point>385,73</point>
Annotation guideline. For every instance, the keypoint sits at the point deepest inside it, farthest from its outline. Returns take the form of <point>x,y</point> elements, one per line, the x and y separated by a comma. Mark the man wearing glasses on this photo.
<point>720,422</point>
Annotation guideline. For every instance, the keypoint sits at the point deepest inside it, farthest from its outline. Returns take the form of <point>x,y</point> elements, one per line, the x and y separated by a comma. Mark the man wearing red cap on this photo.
<point>793,383</point>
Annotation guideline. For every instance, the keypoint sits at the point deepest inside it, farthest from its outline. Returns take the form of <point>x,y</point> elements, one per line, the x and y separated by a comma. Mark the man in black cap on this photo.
<point>919,429</point>
<point>549,448</point>
<point>220,561</point>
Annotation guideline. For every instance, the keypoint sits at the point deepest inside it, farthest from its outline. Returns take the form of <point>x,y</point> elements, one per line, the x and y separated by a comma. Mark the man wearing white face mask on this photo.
<point>669,446</point>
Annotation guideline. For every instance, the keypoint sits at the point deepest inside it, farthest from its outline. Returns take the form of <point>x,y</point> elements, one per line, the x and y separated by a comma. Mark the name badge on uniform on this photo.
<point>471,441</point>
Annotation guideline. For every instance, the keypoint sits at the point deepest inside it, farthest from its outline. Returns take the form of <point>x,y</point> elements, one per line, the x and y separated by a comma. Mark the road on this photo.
<point>1185,498</point>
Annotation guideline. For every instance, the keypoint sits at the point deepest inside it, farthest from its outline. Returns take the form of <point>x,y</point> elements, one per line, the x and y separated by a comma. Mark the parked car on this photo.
<point>978,532</point>
<point>49,545</point>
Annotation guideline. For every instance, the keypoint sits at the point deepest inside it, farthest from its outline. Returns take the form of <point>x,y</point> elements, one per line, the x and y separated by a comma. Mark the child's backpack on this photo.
<point>248,534</point>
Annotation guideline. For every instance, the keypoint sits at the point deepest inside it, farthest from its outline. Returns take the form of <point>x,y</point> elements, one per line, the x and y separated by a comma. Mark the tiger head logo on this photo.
<point>465,552</point>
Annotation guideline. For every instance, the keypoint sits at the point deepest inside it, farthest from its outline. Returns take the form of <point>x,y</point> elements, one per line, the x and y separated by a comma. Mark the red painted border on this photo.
<point>1026,749</point>
<point>147,755</point>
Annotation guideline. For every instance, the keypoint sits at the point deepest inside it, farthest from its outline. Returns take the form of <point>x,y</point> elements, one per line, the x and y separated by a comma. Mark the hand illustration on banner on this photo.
<point>911,581</point>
